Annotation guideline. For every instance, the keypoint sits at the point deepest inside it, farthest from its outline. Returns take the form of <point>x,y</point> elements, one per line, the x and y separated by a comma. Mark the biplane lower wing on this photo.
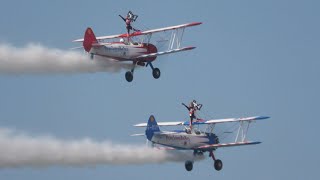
<point>165,52</point>
<point>214,146</point>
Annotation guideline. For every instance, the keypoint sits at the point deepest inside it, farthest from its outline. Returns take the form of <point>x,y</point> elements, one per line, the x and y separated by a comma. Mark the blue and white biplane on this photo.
<point>198,141</point>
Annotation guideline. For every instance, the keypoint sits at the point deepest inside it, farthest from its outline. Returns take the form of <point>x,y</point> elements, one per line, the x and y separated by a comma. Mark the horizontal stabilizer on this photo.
<point>74,48</point>
<point>142,134</point>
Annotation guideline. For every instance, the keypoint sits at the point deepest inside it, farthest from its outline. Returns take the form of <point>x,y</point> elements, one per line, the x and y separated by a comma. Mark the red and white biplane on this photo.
<point>141,52</point>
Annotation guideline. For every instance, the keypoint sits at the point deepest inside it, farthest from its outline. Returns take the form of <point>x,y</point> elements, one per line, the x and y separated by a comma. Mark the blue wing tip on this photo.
<point>262,117</point>
<point>257,142</point>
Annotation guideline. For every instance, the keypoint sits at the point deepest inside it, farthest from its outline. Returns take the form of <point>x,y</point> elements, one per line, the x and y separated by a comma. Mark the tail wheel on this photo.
<point>218,164</point>
<point>129,76</point>
<point>156,73</point>
<point>91,56</point>
<point>188,165</point>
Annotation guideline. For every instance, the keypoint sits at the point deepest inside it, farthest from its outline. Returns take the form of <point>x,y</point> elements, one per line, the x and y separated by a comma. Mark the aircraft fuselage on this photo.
<point>184,140</point>
<point>125,52</point>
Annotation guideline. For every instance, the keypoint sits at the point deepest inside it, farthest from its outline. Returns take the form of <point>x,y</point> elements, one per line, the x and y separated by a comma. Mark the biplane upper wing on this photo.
<point>217,121</point>
<point>214,146</point>
<point>214,121</point>
<point>139,33</point>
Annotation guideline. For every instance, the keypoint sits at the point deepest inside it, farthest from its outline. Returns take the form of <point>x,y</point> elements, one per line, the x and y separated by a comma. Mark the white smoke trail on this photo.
<point>20,150</point>
<point>35,58</point>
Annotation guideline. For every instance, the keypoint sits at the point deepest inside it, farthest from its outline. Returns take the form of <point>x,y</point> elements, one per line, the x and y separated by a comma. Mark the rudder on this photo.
<point>89,39</point>
<point>152,127</point>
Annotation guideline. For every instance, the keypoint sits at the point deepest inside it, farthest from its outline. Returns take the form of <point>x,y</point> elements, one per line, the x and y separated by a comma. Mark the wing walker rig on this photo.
<point>141,51</point>
<point>197,140</point>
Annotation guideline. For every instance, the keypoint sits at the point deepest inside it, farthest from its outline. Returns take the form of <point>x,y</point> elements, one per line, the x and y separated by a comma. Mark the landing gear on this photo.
<point>196,154</point>
<point>155,71</point>
<point>129,76</point>
<point>217,162</point>
<point>91,56</point>
<point>188,165</point>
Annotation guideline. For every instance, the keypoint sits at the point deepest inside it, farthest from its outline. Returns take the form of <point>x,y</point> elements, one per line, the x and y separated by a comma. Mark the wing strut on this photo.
<point>242,131</point>
<point>176,38</point>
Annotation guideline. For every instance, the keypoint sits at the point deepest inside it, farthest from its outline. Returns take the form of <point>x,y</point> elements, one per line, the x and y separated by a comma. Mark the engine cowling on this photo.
<point>150,49</point>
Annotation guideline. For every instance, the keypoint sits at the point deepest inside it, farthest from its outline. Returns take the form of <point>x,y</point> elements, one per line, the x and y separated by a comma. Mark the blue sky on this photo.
<point>252,58</point>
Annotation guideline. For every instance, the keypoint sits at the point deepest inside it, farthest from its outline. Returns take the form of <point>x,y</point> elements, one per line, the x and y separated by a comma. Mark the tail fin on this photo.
<point>152,127</point>
<point>89,39</point>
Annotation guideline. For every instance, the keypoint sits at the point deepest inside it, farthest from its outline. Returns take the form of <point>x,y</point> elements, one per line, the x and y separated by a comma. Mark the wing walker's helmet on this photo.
<point>191,105</point>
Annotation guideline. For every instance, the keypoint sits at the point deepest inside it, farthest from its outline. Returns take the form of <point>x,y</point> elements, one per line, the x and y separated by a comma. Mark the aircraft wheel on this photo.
<point>156,73</point>
<point>218,164</point>
<point>188,165</point>
<point>129,76</point>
